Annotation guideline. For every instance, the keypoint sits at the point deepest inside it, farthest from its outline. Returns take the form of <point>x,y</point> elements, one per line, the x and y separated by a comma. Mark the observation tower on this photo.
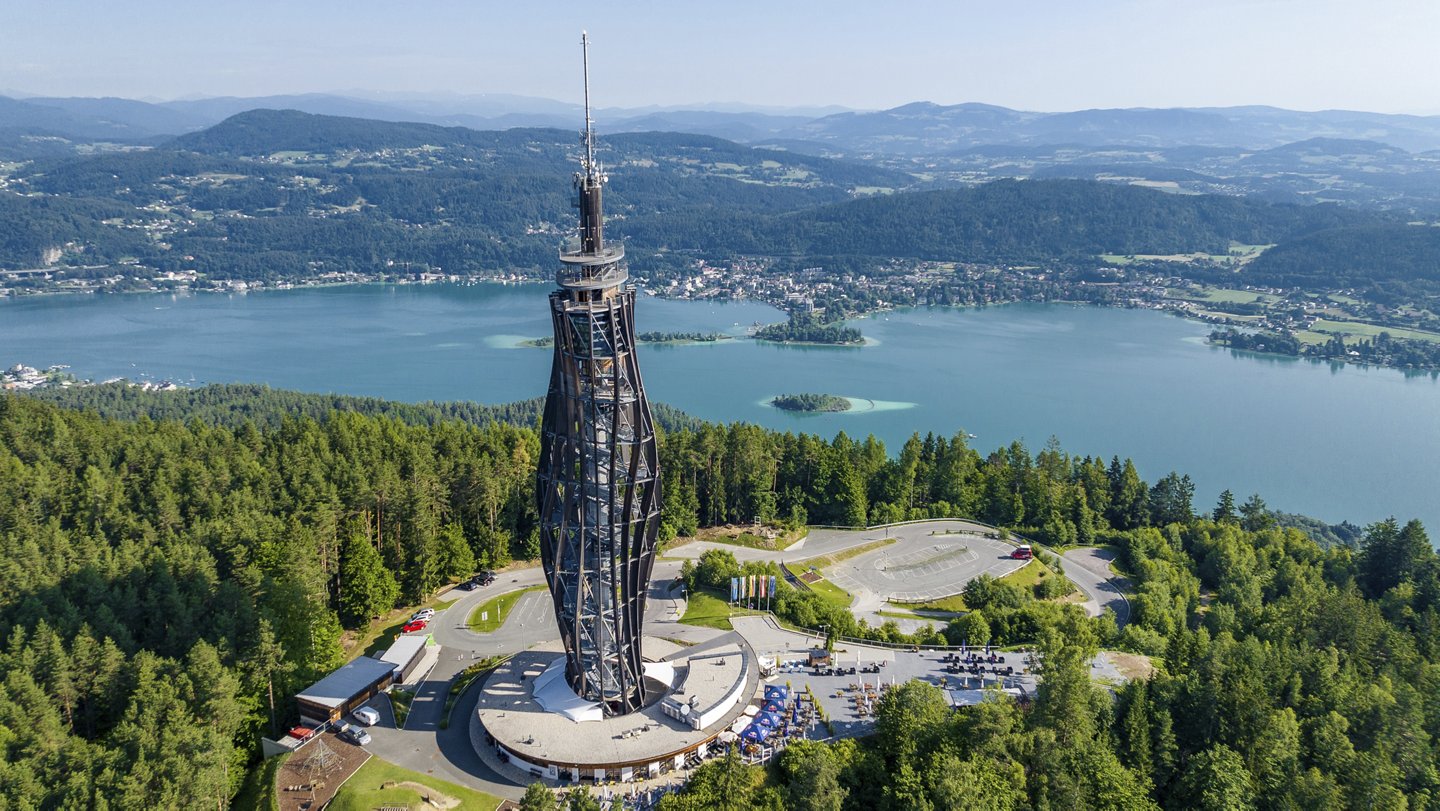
<point>598,484</point>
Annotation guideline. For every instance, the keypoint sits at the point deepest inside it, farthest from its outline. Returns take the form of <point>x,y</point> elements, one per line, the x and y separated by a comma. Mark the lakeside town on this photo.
<point>20,377</point>
<point>1338,325</point>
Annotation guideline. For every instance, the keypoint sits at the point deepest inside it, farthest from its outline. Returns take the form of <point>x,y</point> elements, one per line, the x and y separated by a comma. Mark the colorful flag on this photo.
<point>762,586</point>
<point>734,589</point>
<point>772,585</point>
<point>752,585</point>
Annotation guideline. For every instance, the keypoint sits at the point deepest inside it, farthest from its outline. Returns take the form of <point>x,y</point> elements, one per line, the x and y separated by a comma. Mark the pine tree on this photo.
<point>367,588</point>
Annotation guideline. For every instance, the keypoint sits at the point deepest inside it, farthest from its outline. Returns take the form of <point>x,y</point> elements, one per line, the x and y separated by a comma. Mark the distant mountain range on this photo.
<point>920,128</point>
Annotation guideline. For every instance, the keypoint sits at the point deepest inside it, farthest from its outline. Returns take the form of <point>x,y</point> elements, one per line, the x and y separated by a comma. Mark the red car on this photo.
<point>410,627</point>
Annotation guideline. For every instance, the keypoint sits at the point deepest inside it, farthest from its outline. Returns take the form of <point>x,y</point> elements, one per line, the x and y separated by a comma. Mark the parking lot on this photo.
<point>849,698</point>
<point>928,561</point>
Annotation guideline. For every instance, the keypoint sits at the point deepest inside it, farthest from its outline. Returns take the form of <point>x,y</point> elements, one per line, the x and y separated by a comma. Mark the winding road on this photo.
<point>940,556</point>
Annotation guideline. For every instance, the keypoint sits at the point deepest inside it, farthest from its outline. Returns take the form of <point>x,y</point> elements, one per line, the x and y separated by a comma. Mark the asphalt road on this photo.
<point>926,556</point>
<point>1089,568</point>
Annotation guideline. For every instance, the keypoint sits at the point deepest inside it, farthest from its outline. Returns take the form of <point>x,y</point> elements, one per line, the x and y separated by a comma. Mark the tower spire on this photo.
<point>589,131</point>
<point>588,182</point>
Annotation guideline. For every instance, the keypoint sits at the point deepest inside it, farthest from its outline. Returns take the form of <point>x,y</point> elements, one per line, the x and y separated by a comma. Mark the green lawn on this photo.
<point>709,610</point>
<point>1371,330</point>
<point>363,792</point>
<point>1231,296</point>
<point>1031,575</point>
<point>831,593</point>
<point>491,614</point>
<point>954,604</point>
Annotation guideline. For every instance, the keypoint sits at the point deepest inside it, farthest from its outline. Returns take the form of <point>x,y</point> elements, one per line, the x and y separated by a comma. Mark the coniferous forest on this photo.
<point>170,579</point>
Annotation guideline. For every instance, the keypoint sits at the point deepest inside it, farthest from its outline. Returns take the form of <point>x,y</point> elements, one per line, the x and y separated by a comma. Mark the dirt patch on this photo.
<point>314,773</point>
<point>1131,665</point>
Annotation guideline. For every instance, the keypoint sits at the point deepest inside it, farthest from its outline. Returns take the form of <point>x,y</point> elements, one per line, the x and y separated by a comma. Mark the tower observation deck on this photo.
<point>598,483</point>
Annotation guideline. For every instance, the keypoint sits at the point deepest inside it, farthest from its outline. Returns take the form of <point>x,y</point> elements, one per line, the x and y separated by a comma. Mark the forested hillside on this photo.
<point>1005,221</point>
<point>280,195</point>
<point>162,580</point>
<point>1393,264</point>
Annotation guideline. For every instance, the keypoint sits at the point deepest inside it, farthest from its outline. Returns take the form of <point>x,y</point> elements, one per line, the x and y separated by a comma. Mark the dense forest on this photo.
<point>166,585</point>
<point>1393,264</point>
<point>1005,221</point>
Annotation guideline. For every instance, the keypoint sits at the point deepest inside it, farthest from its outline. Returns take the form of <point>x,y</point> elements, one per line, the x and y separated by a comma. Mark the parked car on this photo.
<point>369,716</point>
<point>355,735</point>
<point>423,615</point>
<point>413,626</point>
<point>470,585</point>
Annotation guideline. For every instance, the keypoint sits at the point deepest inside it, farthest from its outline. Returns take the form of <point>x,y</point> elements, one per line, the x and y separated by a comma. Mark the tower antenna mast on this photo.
<point>589,134</point>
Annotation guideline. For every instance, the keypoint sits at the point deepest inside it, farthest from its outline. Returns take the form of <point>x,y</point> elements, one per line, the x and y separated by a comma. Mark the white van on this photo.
<point>367,716</point>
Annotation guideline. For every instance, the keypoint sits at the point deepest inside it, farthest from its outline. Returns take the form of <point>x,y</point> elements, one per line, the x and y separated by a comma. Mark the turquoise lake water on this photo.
<point>1336,442</point>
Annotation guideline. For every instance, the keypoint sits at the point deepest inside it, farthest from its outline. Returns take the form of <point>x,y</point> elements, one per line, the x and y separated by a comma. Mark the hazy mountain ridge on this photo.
<point>915,127</point>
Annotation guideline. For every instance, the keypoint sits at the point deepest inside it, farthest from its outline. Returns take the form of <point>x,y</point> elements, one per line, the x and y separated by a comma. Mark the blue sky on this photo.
<point>1039,54</point>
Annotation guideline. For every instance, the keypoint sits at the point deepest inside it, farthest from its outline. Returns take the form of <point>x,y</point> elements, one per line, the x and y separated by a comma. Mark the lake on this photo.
<point>1336,442</point>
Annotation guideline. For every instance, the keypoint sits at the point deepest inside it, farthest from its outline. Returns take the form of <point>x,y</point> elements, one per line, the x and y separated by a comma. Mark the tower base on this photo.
<point>701,693</point>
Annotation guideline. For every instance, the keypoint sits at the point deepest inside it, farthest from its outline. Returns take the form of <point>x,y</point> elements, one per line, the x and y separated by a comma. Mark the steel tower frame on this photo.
<point>598,483</point>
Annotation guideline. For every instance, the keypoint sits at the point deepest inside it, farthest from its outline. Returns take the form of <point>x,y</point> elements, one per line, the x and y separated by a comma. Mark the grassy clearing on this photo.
<point>1035,573</point>
<point>1310,338</point>
<point>1242,319</point>
<point>708,609</point>
<point>1027,576</point>
<point>367,789</point>
<point>954,605</point>
<point>1347,328</point>
<point>831,593</point>
<point>1227,295</point>
<point>490,615</point>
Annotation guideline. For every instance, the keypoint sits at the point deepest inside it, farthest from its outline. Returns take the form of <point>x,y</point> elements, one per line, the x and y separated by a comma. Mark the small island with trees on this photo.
<point>808,328</point>
<point>680,337</point>
<point>811,403</point>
